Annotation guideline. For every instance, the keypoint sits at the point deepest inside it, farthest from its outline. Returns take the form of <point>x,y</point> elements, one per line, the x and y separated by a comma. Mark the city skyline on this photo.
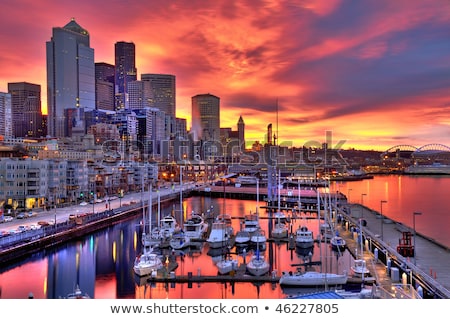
<point>374,73</point>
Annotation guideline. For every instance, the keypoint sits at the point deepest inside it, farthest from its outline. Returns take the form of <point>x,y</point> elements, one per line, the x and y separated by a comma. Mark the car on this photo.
<point>21,216</point>
<point>83,204</point>
<point>21,228</point>
<point>31,214</point>
<point>8,219</point>
<point>43,223</point>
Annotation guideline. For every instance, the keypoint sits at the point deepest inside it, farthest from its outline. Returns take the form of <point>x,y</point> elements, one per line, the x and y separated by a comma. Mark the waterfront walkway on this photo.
<point>432,261</point>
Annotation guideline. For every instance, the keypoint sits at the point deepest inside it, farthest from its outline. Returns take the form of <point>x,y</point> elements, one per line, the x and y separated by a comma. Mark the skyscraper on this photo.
<point>125,62</point>
<point>206,117</point>
<point>104,86</point>
<point>5,115</point>
<point>26,109</point>
<point>241,133</point>
<point>70,79</point>
<point>163,92</point>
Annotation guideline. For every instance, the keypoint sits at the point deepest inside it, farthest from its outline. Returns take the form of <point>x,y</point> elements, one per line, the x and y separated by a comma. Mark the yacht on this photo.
<point>304,237</point>
<point>195,227</point>
<point>338,243</point>
<point>280,229</point>
<point>242,238</point>
<point>312,279</point>
<point>168,225</point>
<point>219,235</point>
<point>227,265</point>
<point>251,223</point>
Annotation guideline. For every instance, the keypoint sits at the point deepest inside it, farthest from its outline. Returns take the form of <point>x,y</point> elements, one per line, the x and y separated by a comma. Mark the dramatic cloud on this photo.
<point>376,73</point>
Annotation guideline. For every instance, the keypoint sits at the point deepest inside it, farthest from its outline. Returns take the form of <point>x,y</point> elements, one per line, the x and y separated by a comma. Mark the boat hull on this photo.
<point>312,279</point>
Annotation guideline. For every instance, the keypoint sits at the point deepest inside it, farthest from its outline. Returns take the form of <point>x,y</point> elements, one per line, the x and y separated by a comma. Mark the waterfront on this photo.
<point>102,262</point>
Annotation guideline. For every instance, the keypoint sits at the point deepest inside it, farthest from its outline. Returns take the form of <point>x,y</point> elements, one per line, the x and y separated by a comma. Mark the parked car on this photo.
<point>21,216</point>
<point>31,214</point>
<point>83,204</point>
<point>21,228</point>
<point>8,219</point>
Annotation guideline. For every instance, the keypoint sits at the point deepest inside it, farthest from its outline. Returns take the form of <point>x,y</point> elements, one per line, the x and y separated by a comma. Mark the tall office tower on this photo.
<point>206,117</point>
<point>241,133</point>
<point>70,79</point>
<point>26,109</point>
<point>5,115</point>
<point>163,91</point>
<point>139,95</point>
<point>125,61</point>
<point>104,86</point>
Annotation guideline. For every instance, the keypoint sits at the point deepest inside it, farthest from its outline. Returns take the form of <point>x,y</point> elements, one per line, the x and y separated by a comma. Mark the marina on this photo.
<point>195,265</point>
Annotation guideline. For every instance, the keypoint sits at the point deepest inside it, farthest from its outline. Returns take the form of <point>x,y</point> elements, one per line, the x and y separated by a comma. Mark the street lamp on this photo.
<point>414,238</point>
<point>362,204</point>
<point>381,213</point>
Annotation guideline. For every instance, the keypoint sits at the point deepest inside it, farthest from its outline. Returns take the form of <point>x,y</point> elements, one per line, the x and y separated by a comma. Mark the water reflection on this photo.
<point>102,263</point>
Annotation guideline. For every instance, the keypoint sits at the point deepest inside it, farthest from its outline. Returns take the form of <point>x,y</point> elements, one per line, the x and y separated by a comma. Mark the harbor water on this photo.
<point>101,264</point>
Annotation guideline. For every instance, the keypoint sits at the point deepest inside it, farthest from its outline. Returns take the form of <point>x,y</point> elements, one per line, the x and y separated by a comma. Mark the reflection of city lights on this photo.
<point>45,286</point>
<point>114,255</point>
<point>135,239</point>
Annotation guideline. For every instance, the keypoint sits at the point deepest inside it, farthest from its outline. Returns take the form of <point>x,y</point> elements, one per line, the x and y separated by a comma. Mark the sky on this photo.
<point>369,74</point>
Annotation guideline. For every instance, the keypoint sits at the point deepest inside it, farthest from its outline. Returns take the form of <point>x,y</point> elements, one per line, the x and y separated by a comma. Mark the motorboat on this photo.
<point>258,265</point>
<point>179,240</point>
<point>259,238</point>
<point>168,225</point>
<point>280,229</point>
<point>219,235</point>
<point>326,232</point>
<point>146,263</point>
<point>195,227</point>
<point>360,269</point>
<point>242,238</point>
<point>304,238</point>
<point>226,219</point>
<point>312,279</point>
<point>251,223</point>
<point>338,243</point>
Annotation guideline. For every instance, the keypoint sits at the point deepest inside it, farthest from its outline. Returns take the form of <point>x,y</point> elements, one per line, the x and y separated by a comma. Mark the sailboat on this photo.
<point>312,278</point>
<point>227,264</point>
<point>258,265</point>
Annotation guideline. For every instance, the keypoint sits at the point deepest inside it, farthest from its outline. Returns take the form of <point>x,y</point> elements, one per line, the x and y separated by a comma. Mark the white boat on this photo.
<point>242,238</point>
<point>312,279</point>
<point>78,294</point>
<point>280,229</point>
<point>338,243</point>
<point>226,218</point>
<point>326,232</point>
<point>259,238</point>
<point>195,227</point>
<point>179,240</point>
<point>226,265</point>
<point>219,235</point>
<point>251,223</point>
<point>147,263</point>
<point>168,225</point>
<point>359,269</point>
<point>258,266</point>
<point>304,238</point>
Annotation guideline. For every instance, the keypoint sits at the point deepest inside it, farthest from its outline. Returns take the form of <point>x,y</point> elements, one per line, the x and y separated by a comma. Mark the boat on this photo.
<point>280,229</point>
<point>258,265</point>
<point>359,269</point>
<point>179,240</point>
<point>219,235</point>
<point>326,232</point>
<point>168,225</point>
<point>251,223</point>
<point>242,238</point>
<point>195,227</point>
<point>78,294</point>
<point>226,219</point>
<point>338,243</point>
<point>227,265</point>
<point>304,237</point>
<point>147,263</point>
<point>312,279</point>
<point>259,238</point>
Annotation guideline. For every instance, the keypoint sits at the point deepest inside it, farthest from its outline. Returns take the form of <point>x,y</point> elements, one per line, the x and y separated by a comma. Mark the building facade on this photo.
<point>5,115</point>
<point>125,71</point>
<point>163,89</point>
<point>70,78</point>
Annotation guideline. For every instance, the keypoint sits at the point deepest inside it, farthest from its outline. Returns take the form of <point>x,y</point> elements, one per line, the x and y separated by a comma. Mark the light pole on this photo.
<point>381,213</point>
<point>414,238</point>
<point>362,204</point>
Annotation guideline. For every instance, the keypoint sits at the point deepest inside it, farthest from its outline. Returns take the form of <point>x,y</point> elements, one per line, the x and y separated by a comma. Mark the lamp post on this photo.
<point>414,238</point>
<point>362,204</point>
<point>381,213</point>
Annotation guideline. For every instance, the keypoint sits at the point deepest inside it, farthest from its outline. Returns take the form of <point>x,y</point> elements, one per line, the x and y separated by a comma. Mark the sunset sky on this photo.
<point>376,73</point>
